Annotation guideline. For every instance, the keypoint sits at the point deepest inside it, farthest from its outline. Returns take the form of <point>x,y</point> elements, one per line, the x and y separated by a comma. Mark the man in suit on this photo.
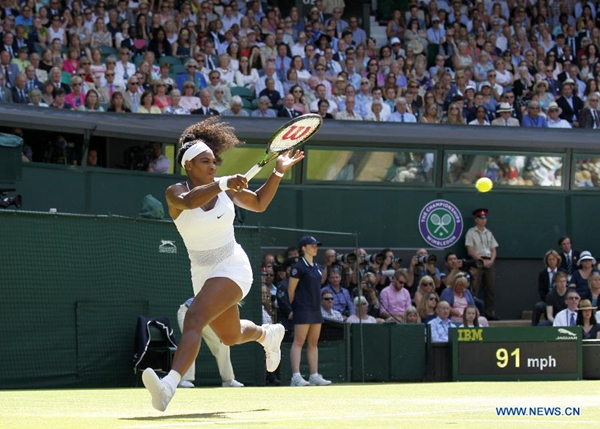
<point>559,47</point>
<point>132,97</point>
<point>505,120</point>
<point>569,256</point>
<point>8,70</point>
<point>572,40</point>
<point>32,81</point>
<point>589,116</point>
<point>9,45</point>
<point>56,79</point>
<point>7,9</point>
<point>322,17</point>
<point>124,14</point>
<point>282,61</point>
<point>287,110</point>
<point>106,92</point>
<point>21,41</point>
<point>5,94</point>
<point>205,108</point>
<point>210,55</point>
<point>19,91</point>
<point>570,103</point>
<point>55,8</point>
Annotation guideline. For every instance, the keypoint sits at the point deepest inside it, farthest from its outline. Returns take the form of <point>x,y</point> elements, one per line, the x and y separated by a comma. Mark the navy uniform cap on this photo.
<point>308,239</point>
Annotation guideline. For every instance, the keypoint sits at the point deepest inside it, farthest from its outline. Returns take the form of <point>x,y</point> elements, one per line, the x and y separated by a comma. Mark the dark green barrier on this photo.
<point>73,287</point>
<point>549,214</point>
<point>388,352</point>
<point>333,355</point>
<point>10,158</point>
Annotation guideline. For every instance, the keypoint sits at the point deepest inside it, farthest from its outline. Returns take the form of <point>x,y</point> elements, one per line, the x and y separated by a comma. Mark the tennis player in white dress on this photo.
<point>203,211</point>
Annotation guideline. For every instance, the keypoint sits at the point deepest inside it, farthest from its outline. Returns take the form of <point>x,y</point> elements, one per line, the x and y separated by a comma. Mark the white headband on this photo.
<point>194,151</point>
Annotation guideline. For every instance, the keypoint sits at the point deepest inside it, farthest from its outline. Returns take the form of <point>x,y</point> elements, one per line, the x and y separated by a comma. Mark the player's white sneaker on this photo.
<point>318,380</point>
<point>272,344</point>
<point>186,384</point>
<point>161,392</point>
<point>298,381</point>
<point>232,383</point>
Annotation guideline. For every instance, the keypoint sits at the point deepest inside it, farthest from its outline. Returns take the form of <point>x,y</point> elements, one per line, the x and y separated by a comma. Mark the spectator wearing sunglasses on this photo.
<point>327,310</point>
<point>395,298</point>
<point>132,96</point>
<point>589,115</point>
<point>192,75</point>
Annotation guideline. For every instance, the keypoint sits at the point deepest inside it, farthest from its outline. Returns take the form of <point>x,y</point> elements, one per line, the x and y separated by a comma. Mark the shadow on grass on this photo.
<point>195,416</point>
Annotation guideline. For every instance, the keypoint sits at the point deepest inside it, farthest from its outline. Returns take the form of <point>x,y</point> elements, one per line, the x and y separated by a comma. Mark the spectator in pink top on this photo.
<point>395,299</point>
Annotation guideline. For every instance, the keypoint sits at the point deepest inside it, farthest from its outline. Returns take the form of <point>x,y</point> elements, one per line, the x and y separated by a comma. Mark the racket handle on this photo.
<point>253,172</point>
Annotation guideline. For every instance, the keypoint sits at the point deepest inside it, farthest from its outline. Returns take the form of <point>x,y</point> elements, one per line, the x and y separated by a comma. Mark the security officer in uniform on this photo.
<point>481,244</point>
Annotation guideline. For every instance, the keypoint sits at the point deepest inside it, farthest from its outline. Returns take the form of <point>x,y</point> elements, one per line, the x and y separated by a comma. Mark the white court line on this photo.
<point>400,417</point>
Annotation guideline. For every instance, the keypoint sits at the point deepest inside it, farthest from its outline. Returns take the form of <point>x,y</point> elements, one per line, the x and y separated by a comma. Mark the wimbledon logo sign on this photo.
<point>440,224</point>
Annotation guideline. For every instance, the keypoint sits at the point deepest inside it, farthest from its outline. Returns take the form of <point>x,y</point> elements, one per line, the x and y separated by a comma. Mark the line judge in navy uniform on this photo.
<point>305,296</point>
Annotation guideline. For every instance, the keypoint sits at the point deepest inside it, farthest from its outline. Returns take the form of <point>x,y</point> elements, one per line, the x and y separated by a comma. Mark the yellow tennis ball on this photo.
<point>484,184</point>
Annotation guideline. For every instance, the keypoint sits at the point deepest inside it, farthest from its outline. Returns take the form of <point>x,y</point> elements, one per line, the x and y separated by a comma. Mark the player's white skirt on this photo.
<point>229,261</point>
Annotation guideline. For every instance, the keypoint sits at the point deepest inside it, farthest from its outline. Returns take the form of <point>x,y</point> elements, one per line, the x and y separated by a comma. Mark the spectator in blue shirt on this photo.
<point>441,324</point>
<point>341,297</point>
<point>533,117</point>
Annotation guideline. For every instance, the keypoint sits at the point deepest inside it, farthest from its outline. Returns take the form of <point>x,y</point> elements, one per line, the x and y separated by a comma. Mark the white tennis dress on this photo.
<point>210,242</point>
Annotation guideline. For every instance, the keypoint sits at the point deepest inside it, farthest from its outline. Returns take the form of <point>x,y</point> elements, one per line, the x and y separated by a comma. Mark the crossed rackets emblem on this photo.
<point>441,223</point>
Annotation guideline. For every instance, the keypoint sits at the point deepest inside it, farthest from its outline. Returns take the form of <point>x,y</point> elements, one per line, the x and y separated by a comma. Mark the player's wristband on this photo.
<point>223,183</point>
<point>277,173</point>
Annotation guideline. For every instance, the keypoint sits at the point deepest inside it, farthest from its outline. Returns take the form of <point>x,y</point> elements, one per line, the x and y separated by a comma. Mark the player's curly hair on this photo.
<point>218,135</point>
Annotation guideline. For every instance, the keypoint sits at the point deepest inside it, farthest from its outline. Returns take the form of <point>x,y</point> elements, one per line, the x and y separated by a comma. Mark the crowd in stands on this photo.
<point>491,62</point>
<point>420,292</point>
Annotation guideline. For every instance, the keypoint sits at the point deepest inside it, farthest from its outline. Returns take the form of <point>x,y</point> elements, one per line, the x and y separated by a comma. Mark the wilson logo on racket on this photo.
<point>295,132</point>
<point>290,136</point>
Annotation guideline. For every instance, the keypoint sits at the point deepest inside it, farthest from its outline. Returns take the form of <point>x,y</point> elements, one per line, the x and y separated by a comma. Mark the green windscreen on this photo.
<point>73,288</point>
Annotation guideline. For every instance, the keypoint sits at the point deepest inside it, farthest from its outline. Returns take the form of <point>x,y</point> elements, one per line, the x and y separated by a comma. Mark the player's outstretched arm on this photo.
<point>259,201</point>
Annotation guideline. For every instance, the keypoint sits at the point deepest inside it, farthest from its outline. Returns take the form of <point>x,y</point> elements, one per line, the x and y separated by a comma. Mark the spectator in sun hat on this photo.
<point>554,120</point>
<point>505,120</point>
<point>587,320</point>
<point>586,265</point>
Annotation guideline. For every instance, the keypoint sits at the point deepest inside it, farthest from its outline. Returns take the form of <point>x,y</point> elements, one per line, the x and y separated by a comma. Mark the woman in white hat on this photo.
<point>587,320</point>
<point>587,266</point>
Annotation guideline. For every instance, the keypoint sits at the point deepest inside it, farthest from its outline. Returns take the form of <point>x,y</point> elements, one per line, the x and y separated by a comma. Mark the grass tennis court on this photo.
<point>416,405</point>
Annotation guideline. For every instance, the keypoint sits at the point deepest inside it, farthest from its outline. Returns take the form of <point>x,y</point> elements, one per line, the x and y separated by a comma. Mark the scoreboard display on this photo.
<point>516,353</point>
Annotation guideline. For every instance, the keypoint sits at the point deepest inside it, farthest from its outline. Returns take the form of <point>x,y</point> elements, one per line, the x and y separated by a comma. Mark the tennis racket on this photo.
<point>291,136</point>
